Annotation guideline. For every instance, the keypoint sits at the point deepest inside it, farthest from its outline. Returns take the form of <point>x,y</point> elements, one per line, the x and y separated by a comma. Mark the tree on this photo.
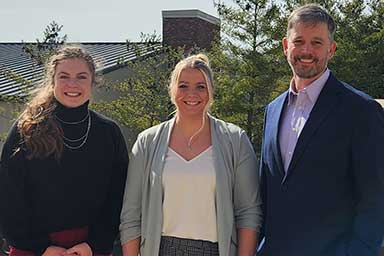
<point>143,99</point>
<point>40,51</point>
<point>359,59</point>
<point>248,63</point>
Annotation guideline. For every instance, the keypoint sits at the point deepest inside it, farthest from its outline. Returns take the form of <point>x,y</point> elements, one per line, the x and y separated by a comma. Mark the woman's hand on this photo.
<point>54,251</point>
<point>82,249</point>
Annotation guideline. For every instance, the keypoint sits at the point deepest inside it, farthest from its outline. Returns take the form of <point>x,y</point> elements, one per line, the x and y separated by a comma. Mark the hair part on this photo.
<point>312,14</point>
<point>39,131</point>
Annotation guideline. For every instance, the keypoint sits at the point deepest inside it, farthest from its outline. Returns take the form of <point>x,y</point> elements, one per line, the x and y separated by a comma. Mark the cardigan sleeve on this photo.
<point>15,223</point>
<point>246,192</point>
<point>105,229</point>
<point>130,225</point>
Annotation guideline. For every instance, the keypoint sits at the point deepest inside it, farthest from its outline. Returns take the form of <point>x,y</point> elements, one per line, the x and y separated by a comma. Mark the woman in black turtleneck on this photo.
<point>63,168</point>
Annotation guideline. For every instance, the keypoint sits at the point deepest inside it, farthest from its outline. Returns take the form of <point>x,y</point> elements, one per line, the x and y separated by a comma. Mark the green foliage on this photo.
<point>248,63</point>
<point>250,66</point>
<point>9,111</point>
<point>143,99</point>
<point>359,59</point>
<point>40,51</point>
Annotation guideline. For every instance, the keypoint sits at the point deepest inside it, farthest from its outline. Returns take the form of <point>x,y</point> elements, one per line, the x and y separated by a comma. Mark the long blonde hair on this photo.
<point>38,129</point>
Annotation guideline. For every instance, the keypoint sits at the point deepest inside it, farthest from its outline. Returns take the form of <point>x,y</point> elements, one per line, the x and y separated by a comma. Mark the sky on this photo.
<point>90,20</point>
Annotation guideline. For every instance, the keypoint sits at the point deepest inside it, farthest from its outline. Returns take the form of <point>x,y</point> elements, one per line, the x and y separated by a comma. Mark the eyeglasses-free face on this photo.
<point>72,82</point>
<point>191,95</point>
<point>308,49</point>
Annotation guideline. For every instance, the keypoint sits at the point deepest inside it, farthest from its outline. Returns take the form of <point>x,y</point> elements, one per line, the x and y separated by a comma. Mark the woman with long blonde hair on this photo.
<point>63,167</point>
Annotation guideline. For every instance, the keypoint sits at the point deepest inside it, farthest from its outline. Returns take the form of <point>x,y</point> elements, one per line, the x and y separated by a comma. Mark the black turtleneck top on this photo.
<point>83,189</point>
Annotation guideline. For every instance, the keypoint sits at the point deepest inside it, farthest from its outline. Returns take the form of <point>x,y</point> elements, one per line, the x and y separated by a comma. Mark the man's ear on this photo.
<point>332,49</point>
<point>285,45</point>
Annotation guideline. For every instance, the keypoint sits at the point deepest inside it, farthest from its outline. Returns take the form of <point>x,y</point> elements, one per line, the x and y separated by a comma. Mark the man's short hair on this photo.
<point>312,14</point>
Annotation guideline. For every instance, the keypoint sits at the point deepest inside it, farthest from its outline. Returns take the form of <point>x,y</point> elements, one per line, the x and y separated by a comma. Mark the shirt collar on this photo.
<point>312,90</point>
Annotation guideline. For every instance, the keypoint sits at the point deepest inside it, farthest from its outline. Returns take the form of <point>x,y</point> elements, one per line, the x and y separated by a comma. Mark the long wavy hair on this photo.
<point>39,131</point>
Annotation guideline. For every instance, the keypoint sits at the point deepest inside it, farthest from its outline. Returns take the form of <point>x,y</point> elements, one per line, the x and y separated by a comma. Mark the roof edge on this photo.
<point>192,13</point>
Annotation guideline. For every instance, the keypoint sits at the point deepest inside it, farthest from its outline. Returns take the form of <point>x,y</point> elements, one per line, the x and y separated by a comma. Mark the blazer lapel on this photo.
<point>276,112</point>
<point>323,106</point>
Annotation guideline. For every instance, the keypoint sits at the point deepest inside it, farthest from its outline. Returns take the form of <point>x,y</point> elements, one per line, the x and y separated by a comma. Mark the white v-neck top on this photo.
<point>189,206</point>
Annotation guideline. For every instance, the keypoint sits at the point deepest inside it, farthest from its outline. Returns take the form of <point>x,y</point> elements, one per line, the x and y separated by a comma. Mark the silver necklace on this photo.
<point>75,140</point>
<point>75,122</point>
<point>84,137</point>
<point>189,141</point>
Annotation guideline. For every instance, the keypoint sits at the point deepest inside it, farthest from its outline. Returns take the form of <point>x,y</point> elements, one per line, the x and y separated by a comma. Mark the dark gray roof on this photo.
<point>15,66</point>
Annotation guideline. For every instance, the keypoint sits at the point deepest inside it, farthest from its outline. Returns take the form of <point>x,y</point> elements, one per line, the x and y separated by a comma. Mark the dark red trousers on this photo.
<point>65,239</point>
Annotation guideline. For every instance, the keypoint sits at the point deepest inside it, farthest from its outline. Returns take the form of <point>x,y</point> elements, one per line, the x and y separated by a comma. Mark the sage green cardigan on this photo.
<point>238,200</point>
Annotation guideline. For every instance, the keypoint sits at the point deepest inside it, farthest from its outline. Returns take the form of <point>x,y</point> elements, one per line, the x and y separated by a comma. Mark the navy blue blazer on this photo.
<point>331,202</point>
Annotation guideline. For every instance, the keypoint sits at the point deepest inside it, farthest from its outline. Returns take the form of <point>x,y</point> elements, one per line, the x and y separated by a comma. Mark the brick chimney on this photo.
<point>189,28</point>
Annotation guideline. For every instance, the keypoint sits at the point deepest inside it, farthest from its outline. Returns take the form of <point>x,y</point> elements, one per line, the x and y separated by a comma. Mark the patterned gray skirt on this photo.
<point>174,246</point>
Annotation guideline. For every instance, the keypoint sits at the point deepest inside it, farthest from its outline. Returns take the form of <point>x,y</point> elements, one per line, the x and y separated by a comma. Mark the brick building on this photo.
<point>189,28</point>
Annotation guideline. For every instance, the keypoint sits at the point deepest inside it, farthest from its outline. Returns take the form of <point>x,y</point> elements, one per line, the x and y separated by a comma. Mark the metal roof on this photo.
<point>16,66</point>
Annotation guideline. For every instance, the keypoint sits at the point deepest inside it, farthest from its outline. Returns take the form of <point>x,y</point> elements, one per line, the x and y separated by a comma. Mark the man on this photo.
<point>322,162</point>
